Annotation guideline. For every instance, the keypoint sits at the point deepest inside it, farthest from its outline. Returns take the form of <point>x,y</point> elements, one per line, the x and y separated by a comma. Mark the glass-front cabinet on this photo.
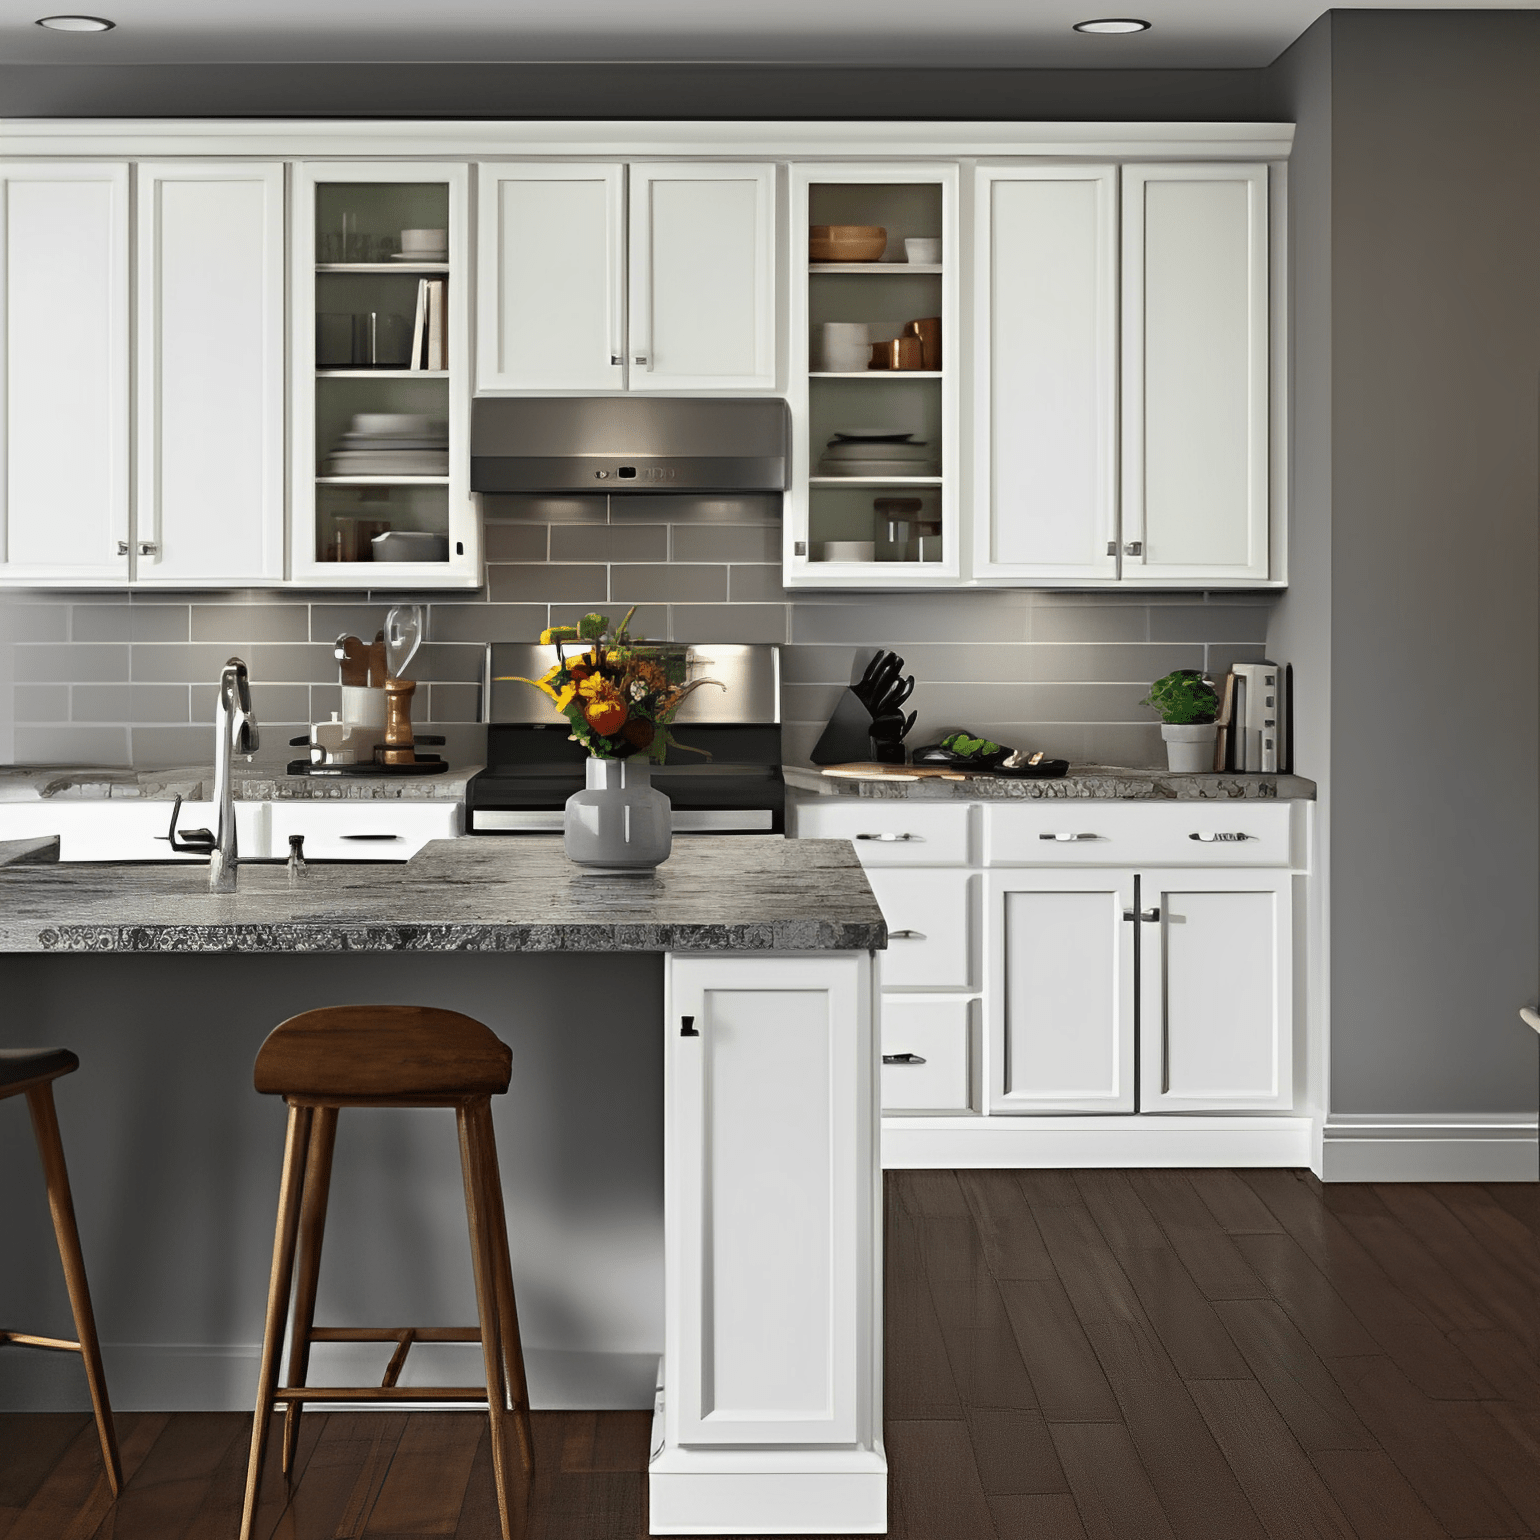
<point>380,349</point>
<point>875,346</point>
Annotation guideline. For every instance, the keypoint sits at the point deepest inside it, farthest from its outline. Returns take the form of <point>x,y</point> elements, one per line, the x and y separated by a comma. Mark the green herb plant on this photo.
<point>969,748</point>
<point>1183,696</point>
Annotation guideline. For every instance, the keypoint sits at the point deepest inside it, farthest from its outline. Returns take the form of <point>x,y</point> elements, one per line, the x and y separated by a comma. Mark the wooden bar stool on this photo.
<point>34,1071</point>
<point>388,1056</point>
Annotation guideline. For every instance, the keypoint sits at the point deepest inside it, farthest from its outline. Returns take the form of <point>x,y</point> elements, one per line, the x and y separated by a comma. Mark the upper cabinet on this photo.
<point>210,376</point>
<point>576,293</point>
<point>1195,374</point>
<point>64,392</point>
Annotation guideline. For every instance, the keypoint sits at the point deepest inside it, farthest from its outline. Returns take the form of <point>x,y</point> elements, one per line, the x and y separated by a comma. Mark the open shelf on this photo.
<point>874,481</point>
<point>382,267</point>
<point>876,374</point>
<point>382,374</point>
<point>382,481</point>
<point>876,267</point>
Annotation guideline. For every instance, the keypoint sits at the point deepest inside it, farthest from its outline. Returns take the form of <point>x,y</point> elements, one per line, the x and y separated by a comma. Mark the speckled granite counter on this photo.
<point>91,783</point>
<point>717,893</point>
<point>1085,782</point>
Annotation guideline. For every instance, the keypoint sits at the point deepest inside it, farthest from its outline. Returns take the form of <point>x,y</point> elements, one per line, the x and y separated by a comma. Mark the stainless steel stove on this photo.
<point>731,785</point>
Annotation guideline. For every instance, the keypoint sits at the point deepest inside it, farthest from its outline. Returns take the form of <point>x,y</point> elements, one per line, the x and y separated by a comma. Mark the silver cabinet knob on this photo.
<point>1149,916</point>
<point>1134,548</point>
<point>889,839</point>
<point>1067,838</point>
<point>122,548</point>
<point>616,358</point>
<point>906,935</point>
<point>1221,839</point>
<point>641,358</point>
<point>148,548</point>
<point>1112,548</point>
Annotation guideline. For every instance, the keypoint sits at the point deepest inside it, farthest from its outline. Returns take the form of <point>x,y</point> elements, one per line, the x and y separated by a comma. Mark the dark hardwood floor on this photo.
<point>1091,1355</point>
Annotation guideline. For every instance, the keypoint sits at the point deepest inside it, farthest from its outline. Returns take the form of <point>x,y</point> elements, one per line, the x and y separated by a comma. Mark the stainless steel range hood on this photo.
<point>628,444</point>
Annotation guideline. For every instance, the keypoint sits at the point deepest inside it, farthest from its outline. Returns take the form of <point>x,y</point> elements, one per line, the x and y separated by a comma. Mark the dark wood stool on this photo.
<point>34,1071</point>
<point>388,1056</point>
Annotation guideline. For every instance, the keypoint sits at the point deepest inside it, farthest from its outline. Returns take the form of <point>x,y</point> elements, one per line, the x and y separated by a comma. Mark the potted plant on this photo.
<point>620,695</point>
<point>1188,706</point>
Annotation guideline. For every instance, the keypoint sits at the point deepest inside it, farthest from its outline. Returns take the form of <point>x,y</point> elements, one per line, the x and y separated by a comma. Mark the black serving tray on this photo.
<point>427,764</point>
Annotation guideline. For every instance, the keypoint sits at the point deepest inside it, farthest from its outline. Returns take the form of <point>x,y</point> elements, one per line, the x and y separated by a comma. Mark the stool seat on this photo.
<point>375,1053</point>
<point>31,1066</point>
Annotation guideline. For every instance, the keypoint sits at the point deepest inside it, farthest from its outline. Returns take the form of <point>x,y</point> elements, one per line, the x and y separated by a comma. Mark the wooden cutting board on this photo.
<point>875,772</point>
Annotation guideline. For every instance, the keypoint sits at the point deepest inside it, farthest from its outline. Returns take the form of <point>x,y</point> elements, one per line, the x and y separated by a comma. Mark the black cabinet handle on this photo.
<point>902,1058</point>
<point>687,1027</point>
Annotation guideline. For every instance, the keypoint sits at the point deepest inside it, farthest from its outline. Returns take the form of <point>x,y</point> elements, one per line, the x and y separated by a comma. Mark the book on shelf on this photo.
<point>428,350</point>
<point>1225,718</point>
<point>419,326</point>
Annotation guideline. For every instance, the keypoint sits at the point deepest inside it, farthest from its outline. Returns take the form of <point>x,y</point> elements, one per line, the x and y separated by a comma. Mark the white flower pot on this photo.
<point>618,825</point>
<point>1189,745</point>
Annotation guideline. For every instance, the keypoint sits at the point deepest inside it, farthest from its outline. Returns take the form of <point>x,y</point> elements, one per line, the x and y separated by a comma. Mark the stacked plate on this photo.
<point>877,452</point>
<point>391,444</point>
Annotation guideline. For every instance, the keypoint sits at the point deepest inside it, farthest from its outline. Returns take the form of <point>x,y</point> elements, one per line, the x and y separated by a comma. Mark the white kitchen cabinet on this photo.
<point>210,391</point>
<point>930,917</point>
<point>604,277</point>
<point>1045,373</point>
<point>552,264</point>
<point>1215,989</point>
<point>928,1053</point>
<point>64,400</point>
<point>770,1095</point>
<point>1195,418</point>
<point>1061,991</point>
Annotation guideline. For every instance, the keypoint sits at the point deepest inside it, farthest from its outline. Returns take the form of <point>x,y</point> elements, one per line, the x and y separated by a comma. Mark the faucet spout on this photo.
<point>235,732</point>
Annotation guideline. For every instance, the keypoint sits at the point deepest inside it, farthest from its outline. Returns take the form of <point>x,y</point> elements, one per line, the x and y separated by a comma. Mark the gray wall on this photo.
<point>120,679</point>
<point>1425,549</point>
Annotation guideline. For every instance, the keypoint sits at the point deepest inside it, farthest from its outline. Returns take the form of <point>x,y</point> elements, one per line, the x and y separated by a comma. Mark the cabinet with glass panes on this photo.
<point>874,494</point>
<point>381,495</point>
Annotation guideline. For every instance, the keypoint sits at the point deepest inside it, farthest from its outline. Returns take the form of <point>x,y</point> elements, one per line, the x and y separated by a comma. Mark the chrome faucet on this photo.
<point>235,732</point>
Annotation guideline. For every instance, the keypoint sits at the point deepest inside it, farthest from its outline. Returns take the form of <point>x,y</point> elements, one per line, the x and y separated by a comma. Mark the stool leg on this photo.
<point>507,1309</point>
<point>279,1284</point>
<point>312,1227</point>
<point>45,1129</point>
<point>487,1313</point>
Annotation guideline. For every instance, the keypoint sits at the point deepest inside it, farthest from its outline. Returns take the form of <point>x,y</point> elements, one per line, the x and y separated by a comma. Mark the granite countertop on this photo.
<point>717,893</point>
<point>195,783</point>
<point>1084,782</point>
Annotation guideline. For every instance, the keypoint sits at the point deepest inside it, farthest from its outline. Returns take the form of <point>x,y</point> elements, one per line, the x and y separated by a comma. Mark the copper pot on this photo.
<point>901,353</point>
<point>929,333</point>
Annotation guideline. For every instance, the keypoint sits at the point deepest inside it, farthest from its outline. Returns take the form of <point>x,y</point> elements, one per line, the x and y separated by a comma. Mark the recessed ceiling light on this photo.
<point>76,23</point>
<point>1113,24</point>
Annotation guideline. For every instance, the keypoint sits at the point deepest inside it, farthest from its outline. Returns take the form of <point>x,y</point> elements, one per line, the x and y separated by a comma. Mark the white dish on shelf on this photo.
<point>419,256</point>
<point>850,550</point>
<point>859,435</point>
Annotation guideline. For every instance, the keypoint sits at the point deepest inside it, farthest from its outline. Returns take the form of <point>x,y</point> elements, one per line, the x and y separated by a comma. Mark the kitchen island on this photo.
<point>754,955</point>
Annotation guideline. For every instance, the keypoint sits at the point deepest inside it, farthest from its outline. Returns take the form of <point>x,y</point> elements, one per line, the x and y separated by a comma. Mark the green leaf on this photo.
<point>592,626</point>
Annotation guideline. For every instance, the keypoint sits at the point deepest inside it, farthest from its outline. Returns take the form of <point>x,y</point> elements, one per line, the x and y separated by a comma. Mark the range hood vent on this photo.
<point>628,444</point>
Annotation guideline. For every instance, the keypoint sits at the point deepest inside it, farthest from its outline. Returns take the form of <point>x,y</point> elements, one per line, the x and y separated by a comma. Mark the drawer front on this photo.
<point>889,833</point>
<point>941,1033</point>
<point>1091,833</point>
<point>930,919</point>
<point>364,831</point>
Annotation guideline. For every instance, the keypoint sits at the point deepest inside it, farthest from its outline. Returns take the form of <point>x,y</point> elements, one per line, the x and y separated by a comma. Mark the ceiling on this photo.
<point>1021,33</point>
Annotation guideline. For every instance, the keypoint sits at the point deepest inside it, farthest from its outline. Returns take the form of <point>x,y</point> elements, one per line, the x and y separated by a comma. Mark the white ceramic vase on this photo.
<point>618,825</point>
<point>1189,745</point>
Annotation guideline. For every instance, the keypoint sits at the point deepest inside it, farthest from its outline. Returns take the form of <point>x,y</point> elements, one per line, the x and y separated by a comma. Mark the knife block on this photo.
<point>397,748</point>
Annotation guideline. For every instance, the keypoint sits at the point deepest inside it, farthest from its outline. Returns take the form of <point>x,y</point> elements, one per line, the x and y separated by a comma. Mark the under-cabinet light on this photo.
<point>1113,24</point>
<point>76,23</point>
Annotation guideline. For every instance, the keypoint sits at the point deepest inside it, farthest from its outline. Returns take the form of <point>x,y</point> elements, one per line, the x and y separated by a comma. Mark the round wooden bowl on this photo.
<point>846,243</point>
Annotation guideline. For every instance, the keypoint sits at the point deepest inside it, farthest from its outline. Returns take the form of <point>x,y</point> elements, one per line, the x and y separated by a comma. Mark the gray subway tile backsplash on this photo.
<point>112,678</point>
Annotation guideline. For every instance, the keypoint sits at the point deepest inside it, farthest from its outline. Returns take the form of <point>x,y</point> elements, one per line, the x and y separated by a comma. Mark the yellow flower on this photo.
<point>590,687</point>
<point>565,698</point>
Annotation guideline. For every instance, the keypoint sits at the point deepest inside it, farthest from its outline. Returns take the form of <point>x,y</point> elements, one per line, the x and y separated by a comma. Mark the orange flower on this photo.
<point>605,716</point>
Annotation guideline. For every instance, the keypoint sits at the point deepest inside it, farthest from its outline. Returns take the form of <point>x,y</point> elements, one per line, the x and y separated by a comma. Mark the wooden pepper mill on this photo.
<point>397,748</point>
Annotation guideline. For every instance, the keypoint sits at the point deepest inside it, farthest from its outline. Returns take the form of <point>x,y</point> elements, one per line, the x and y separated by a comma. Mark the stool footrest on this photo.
<point>58,1344</point>
<point>395,1333</point>
<point>302,1393</point>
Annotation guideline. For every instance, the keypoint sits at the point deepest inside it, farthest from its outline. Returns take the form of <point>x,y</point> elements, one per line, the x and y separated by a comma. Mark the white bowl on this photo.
<point>850,550</point>
<point>425,241</point>
<point>922,248</point>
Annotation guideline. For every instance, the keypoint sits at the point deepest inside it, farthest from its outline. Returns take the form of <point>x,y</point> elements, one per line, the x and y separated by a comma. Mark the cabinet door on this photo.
<point>1061,991</point>
<point>210,400</point>
<point>702,277</point>
<point>64,395</point>
<point>551,290</point>
<point>1045,379</point>
<point>930,927</point>
<point>771,1174</point>
<point>1195,373</point>
<point>1216,997</point>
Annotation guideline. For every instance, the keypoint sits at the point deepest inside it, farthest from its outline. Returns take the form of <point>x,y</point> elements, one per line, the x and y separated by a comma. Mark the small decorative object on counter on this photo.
<point>1188,707</point>
<point>1032,767</point>
<point>402,638</point>
<point>297,870</point>
<point>867,722</point>
<point>963,751</point>
<point>620,694</point>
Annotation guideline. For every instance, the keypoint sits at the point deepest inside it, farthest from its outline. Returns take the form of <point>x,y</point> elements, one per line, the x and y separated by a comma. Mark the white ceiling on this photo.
<point>1186,33</point>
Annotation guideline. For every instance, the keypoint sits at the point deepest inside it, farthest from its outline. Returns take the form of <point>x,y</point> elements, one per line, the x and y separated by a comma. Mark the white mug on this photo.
<point>922,248</point>
<point>842,347</point>
<point>424,240</point>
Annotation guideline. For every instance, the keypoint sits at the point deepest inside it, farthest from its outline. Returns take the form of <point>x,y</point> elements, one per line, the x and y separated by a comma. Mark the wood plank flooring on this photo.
<point>1091,1355</point>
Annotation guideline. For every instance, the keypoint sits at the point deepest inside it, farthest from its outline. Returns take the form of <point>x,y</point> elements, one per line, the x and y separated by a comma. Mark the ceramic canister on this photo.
<point>619,824</point>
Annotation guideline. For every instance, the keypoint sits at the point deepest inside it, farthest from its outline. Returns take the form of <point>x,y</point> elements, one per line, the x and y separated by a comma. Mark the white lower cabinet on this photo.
<point>928,1054</point>
<point>1216,991</point>
<point>931,923</point>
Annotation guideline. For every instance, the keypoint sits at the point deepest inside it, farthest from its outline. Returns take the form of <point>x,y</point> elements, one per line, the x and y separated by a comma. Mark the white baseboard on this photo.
<point>1026,1143</point>
<point>211,1377</point>
<point>1451,1149</point>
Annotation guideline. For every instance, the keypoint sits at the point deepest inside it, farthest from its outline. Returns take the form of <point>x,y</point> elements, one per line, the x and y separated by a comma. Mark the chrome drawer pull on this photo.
<point>1068,837</point>
<point>902,1058</point>
<point>906,935</point>
<point>888,839</point>
<point>1141,914</point>
<point>370,837</point>
<point>1221,839</point>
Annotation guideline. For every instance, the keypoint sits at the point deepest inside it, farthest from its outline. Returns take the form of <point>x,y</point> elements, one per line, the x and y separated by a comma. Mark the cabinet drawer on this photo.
<point>889,833</point>
<point>364,831</point>
<point>930,928</point>
<point>939,1032</point>
<point>1138,834</point>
